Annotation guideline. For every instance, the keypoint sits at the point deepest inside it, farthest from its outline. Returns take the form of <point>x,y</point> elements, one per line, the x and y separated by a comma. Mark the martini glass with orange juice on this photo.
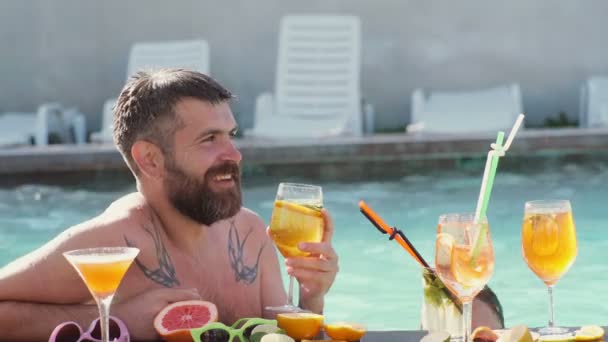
<point>548,242</point>
<point>464,259</point>
<point>296,218</point>
<point>102,269</point>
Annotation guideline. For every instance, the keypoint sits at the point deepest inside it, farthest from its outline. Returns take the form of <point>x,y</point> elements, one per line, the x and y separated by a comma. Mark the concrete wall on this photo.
<point>75,51</point>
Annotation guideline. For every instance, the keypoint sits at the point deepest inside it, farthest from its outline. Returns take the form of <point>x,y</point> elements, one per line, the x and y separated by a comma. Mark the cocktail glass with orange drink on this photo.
<point>102,269</point>
<point>464,259</point>
<point>296,218</point>
<point>548,243</point>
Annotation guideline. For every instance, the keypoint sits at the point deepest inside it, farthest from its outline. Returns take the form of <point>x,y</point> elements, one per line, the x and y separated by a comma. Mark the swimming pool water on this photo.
<point>379,283</point>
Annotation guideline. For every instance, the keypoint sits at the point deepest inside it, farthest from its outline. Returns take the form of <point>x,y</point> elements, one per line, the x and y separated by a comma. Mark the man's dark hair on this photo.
<point>146,107</point>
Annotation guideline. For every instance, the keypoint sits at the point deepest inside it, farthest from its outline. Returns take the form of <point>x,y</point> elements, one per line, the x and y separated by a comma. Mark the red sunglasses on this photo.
<point>72,332</point>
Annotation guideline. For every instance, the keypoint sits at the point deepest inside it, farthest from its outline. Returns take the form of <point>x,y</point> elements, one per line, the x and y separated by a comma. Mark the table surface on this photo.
<point>386,336</point>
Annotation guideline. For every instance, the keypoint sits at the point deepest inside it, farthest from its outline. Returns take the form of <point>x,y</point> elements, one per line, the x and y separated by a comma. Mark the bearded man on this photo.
<point>175,130</point>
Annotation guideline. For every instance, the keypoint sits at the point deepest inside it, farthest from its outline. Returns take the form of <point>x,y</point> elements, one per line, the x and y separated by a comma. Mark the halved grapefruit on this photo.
<point>173,323</point>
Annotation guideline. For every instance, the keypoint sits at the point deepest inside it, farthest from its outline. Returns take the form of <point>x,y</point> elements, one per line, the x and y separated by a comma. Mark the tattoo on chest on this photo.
<point>165,273</point>
<point>242,272</point>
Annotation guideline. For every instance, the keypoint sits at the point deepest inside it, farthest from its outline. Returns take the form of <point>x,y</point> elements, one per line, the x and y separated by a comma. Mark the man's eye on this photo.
<point>209,138</point>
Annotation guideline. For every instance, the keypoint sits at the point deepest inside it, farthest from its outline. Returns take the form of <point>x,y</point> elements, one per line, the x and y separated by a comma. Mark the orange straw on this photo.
<point>402,240</point>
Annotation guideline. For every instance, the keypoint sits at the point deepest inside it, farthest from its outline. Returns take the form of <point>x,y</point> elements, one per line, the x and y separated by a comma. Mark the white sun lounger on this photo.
<point>22,128</point>
<point>317,87</point>
<point>484,110</point>
<point>187,54</point>
<point>594,102</point>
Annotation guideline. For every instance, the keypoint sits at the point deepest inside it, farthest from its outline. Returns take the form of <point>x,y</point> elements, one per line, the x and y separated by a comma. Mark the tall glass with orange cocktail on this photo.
<point>296,218</point>
<point>549,247</point>
<point>464,259</point>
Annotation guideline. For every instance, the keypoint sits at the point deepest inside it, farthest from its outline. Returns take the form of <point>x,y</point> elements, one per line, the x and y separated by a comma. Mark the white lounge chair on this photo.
<point>594,103</point>
<point>187,54</point>
<point>317,87</point>
<point>485,110</point>
<point>17,128</point>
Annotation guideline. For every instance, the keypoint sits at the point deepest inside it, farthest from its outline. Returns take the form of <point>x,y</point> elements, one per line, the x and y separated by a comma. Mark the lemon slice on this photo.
<point>277,338</point>
<point>589,333</point>
<point>265,328</point>
<point>556,338</point>
<point>519,333</point>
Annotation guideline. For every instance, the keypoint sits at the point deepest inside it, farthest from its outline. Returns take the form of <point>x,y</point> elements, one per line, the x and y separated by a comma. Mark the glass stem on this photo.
<point>290,293</point>
<point>467,313</point>
<point>551,310</point>
<point>103,303</point>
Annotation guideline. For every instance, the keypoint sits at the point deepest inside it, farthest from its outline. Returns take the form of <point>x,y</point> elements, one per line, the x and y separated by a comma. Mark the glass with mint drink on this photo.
<point>440,311</point>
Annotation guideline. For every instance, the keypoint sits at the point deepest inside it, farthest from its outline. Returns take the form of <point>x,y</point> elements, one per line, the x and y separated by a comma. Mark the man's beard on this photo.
<point>197,200</point>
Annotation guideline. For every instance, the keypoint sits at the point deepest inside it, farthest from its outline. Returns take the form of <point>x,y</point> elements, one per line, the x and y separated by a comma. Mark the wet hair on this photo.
<point>145,107</point>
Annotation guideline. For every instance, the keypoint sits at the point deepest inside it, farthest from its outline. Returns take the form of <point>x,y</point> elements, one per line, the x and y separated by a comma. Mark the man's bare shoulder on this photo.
<point>46,265</point>
<point>251,218</point>
<point>125,216</point>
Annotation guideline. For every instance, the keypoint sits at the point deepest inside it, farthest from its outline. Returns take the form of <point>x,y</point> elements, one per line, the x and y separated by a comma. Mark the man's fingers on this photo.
<point>328,232</point>
<point>304,275</point>
<point>318,264</point>
<point>321,248</point>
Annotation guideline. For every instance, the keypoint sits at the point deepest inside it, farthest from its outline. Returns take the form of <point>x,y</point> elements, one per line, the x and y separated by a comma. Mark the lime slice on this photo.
<point>589,333</point>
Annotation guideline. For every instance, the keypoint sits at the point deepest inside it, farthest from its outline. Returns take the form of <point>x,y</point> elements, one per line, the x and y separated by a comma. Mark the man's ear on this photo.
<point>148,158</point>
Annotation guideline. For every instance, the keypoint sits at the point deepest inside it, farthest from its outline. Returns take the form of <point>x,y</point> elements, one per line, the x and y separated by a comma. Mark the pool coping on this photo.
<point>314,153</point>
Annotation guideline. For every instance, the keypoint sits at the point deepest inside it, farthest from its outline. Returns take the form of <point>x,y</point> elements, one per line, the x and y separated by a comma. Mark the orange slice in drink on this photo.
<point>300,325</point>
<point>293,223</point>
<point>345,331</point>
<point>444,249</point>
<point>545,234</point>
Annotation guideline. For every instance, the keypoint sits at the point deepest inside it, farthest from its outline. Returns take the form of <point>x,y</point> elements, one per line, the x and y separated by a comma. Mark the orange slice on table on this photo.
<point>345,331</point>
<point>300,325</point>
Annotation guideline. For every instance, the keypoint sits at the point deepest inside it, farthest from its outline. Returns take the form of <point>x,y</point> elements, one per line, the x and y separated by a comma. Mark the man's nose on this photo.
<point>232,152</point>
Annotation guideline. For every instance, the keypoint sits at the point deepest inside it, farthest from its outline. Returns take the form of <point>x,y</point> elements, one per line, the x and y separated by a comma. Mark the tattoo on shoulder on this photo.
<point>242,272</point>
<point>165,273</point>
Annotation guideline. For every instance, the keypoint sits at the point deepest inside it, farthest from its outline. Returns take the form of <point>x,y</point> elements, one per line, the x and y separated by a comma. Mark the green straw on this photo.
<point>486,191</point>
<point>497,151</point>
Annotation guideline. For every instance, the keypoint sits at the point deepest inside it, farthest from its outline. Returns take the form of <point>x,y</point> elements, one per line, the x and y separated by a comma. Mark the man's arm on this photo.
<point>41,289</point>
<point>22,321</point>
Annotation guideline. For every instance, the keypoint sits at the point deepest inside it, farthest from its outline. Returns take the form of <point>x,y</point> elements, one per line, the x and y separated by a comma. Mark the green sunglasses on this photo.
<point>219,332</point>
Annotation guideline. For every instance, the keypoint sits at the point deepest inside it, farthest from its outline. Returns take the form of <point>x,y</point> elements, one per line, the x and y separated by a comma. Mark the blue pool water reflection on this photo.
<point>379,284</point>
